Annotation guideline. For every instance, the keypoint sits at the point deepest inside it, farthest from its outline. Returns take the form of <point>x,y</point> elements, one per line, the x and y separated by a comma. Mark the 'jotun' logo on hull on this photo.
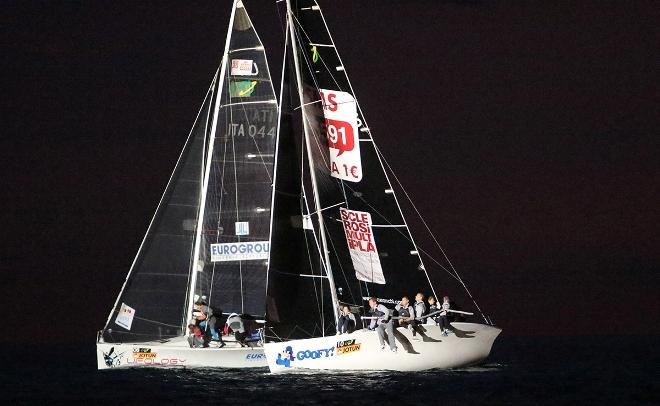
<point>347,347</point>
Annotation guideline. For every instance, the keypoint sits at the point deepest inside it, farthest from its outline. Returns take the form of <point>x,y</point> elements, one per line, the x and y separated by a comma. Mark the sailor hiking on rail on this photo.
<point>383,323</point>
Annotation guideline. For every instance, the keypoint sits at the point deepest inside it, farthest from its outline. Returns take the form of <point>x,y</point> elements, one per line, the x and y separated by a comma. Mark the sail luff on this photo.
<point>205,182</point>
<point>331,282</point>
<point>185,315</point>
<point>160,202</point>
<point>277,144</point>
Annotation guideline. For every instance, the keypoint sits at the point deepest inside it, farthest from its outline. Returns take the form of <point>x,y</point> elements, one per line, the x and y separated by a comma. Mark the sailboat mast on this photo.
<point>207,170</point>
<point>317,203</point>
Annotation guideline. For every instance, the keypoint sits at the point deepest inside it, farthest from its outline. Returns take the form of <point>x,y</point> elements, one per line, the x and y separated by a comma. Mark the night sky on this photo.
<point>525,132</point>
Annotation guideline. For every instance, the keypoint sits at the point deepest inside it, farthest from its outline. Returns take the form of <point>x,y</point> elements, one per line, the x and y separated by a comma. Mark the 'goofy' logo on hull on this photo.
<point>286,357</point>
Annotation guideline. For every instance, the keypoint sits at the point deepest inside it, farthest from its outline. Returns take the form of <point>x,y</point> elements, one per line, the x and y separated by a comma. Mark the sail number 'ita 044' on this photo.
<point>341,125</point>
<point>361,245</point>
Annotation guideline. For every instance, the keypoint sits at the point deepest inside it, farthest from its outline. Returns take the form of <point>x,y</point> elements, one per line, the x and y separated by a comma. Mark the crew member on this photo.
<point>444,321</point>
<point>432,309</point>
<point>346,323</point>
<point>420,311</point>
<point>235,323</point>
<point>210,320</point>
<point>406,313</point>
<point>196,338</point>
<point>382,324</point>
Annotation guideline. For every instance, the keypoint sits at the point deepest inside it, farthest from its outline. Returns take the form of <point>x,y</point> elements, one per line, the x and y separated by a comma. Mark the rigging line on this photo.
<point>211,282</point>
<point>316,83</point>
<point>297,327</point>
<point>257,146</point>
<point>160,202</point>
<point>217,232</point>
<point>148,321</point>
<point>207,169</point>
<point>275,163</point>
<point>304,46</point>
<point>310,68</point>
<point>307,104</point>
<point>404,236</point>
<point>270,79</point>
<point>207,130</point>
<point>304,195</point>
<point>279,16</point>
<point>318,243</point>
<point>343,191</point>
<point>310,157</point>
<point>304,115</point>
<point>274,332</point>
<point>309,258</point>
<point>341,268</point>
<point>318,247</point>
<point>317,136</point>
<point>233,151</point>
<point>348,81</point>
<point>309,255</point>
<point>460,280</point>
<point>329,207</point>
<point>300,274</point>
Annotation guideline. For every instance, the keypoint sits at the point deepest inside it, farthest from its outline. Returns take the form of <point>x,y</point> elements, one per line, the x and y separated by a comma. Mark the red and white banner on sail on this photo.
<point>341,125</point>
<point>361,245</point>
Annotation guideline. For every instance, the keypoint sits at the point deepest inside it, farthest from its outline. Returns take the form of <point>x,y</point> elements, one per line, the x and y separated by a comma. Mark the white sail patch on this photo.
<point>341,127</point>
<point>244,67</point>
<point>240,251</point>
<point>361,245</point>
<point>242,227</point>
<point>125,316</point>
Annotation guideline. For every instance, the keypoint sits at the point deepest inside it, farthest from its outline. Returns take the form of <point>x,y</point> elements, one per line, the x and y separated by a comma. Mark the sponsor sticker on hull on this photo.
<point>288,356</point>
<point>348,347</point>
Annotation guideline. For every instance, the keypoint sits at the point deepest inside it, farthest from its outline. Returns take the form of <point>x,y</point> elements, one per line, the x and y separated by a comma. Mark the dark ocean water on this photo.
<point>576,370</point>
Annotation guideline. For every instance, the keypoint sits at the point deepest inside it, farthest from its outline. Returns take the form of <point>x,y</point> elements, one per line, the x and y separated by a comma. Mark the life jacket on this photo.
<point>404,311</point>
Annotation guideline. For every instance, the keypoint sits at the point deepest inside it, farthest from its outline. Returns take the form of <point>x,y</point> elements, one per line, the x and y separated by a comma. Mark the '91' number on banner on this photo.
<point>340,135</point>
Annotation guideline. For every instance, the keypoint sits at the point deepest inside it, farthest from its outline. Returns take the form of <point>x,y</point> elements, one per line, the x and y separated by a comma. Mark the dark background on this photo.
<point>525,132</point>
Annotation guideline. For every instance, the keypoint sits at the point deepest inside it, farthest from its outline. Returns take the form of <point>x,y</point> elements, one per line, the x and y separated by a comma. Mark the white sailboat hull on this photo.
<point>470,344</point>
<point>177,353</point>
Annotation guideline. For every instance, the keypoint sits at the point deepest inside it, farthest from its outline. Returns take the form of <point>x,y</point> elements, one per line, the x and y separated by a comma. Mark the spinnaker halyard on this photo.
<point>353,220</point>
<point>209,240</point>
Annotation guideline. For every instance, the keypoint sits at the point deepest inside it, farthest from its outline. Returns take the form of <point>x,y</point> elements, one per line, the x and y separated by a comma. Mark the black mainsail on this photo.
<point>363,242</point>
